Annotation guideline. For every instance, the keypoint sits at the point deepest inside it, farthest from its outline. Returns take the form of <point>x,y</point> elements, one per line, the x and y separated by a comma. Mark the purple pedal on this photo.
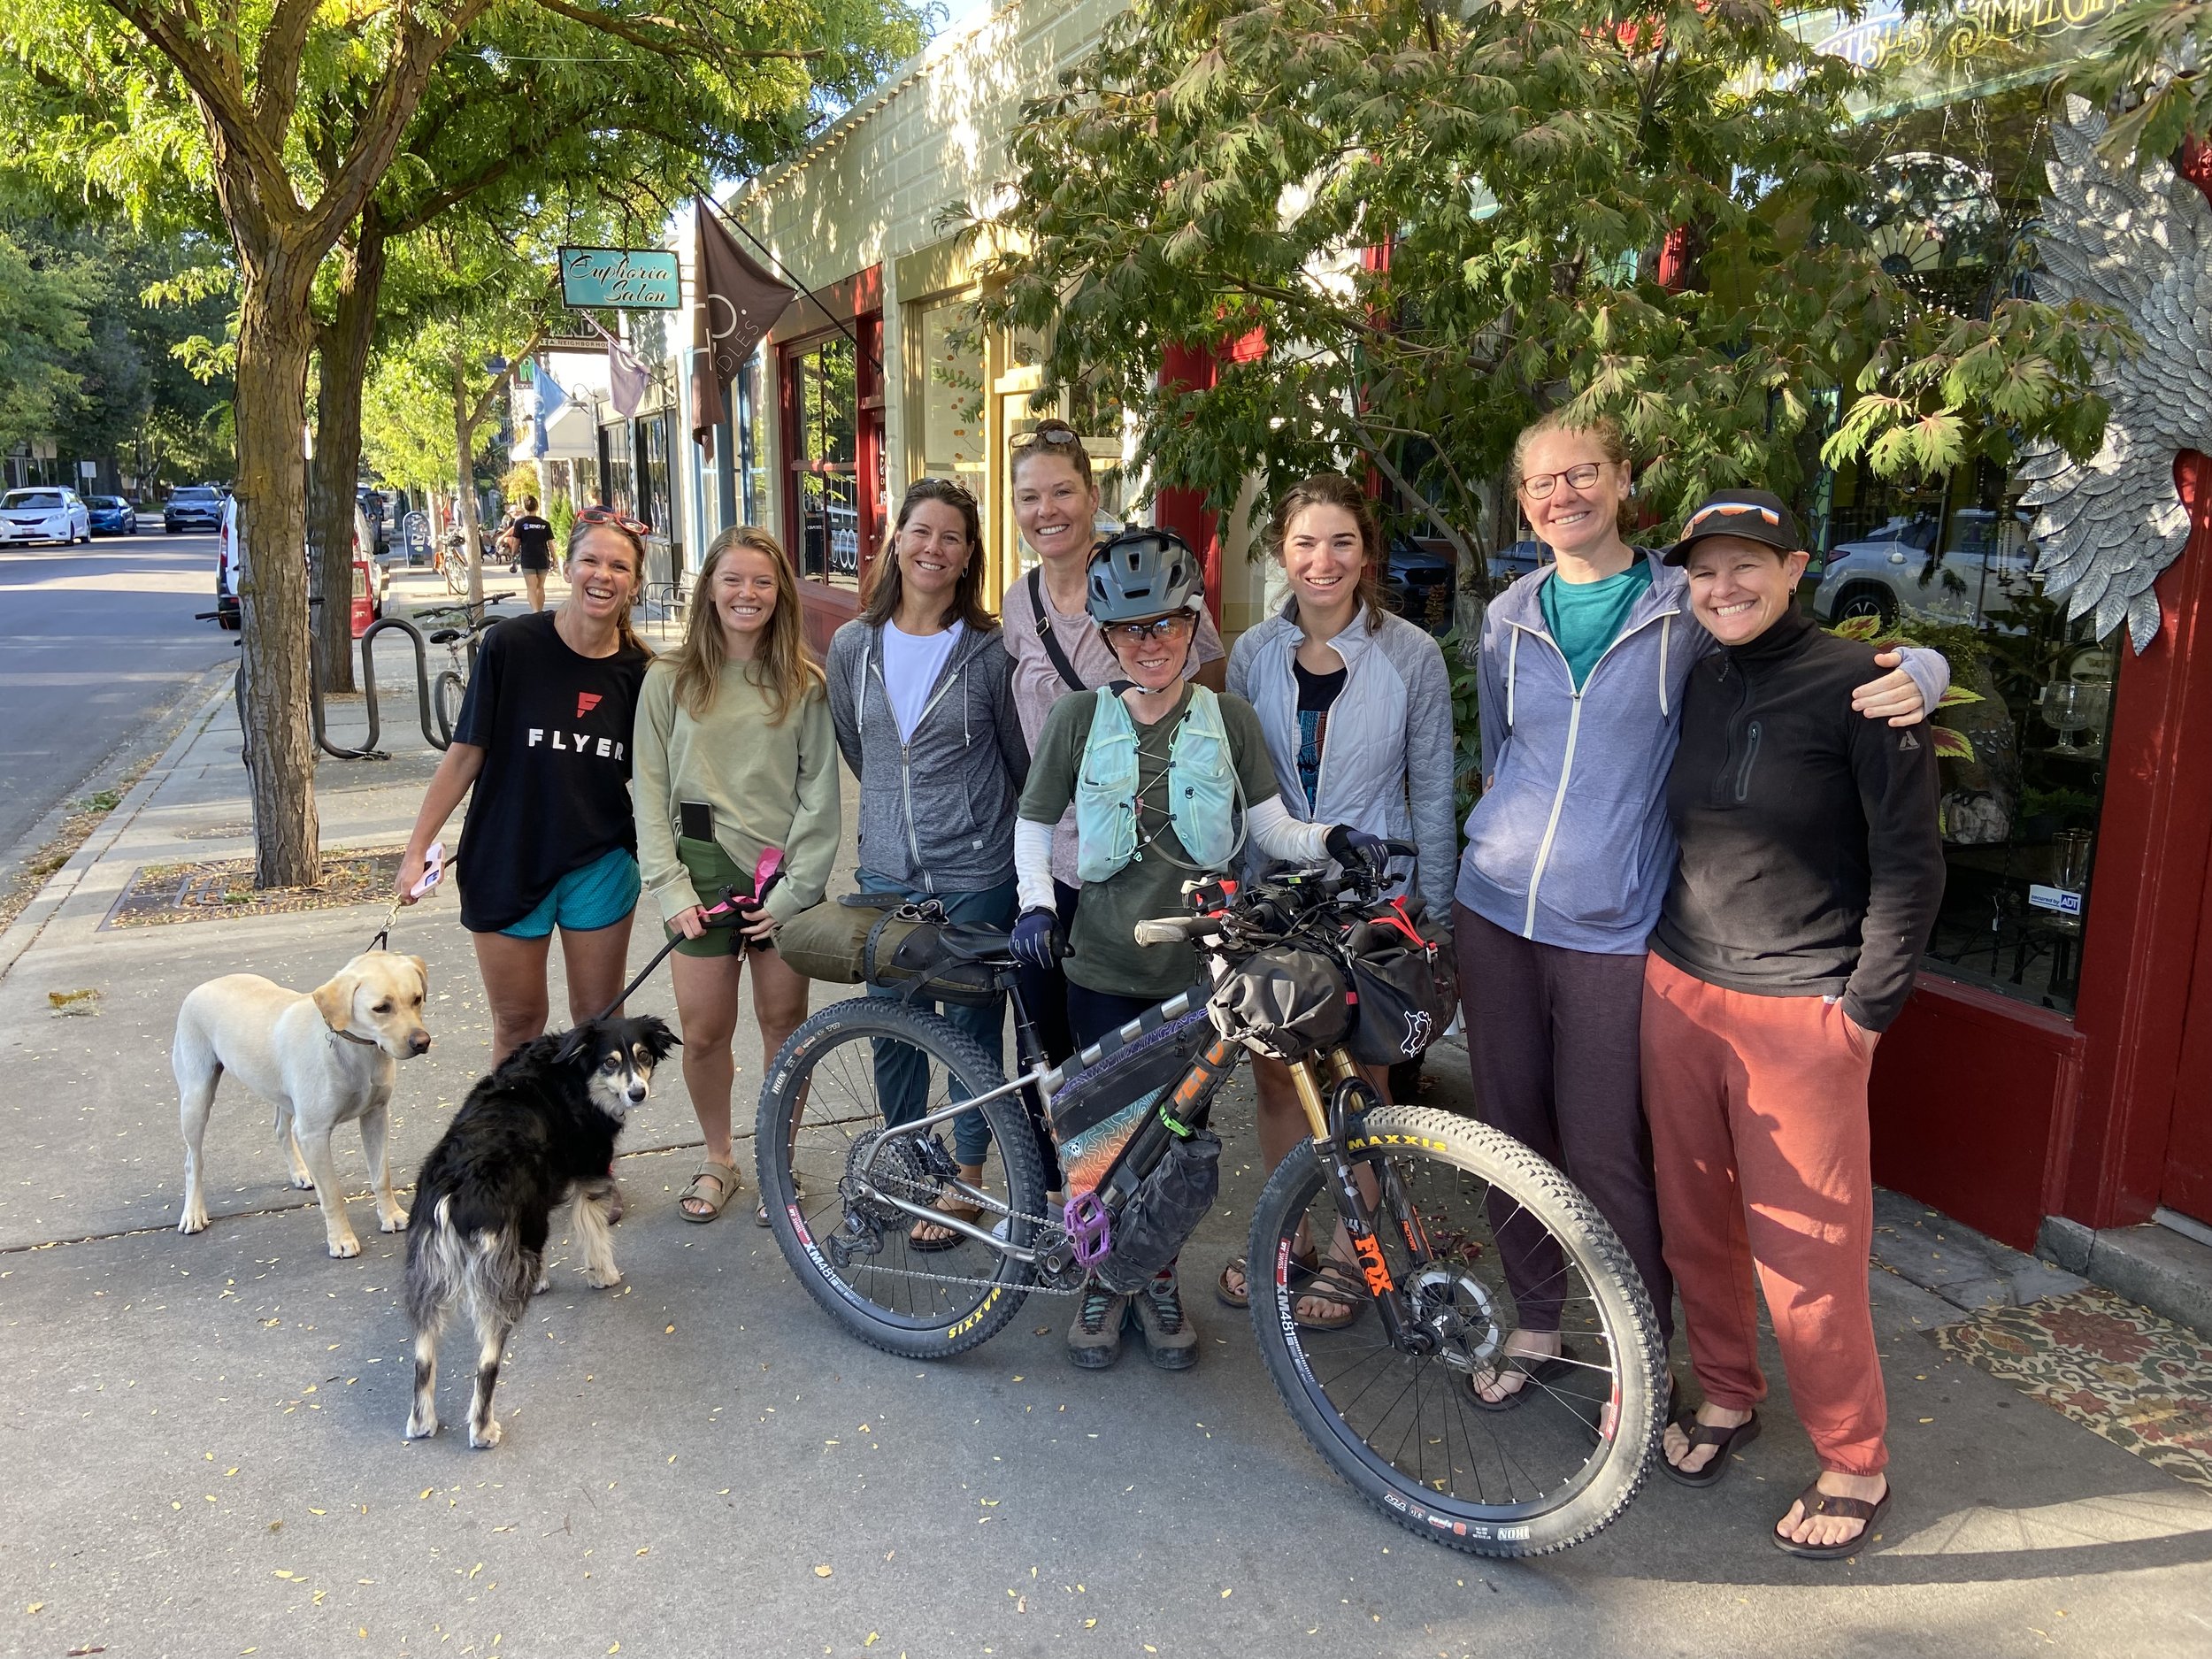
<point>1086,1222</point>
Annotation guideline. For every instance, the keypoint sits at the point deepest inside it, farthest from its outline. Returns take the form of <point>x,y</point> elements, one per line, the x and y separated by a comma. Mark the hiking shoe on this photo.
<point>1094,1337</point>
<point>1170,1340</point>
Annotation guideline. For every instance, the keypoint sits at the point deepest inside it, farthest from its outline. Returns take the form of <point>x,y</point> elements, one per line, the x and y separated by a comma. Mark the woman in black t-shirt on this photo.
<point>549,840</point>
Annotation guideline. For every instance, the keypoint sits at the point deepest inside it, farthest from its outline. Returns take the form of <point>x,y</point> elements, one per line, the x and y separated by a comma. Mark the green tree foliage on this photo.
<point>1643,209</point>
<point>2154,60</point>
<point>46,302</point>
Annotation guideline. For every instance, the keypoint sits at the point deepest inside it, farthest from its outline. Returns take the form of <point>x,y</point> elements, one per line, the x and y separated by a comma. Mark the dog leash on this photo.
<point>433,867</point>
<point>726,912</point>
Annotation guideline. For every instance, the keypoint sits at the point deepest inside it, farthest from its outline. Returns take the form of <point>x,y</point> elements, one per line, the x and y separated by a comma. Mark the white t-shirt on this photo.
<point>912,664</point>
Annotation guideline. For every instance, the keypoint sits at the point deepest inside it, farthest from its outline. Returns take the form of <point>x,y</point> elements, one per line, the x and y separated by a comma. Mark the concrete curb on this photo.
<point>24,932</point>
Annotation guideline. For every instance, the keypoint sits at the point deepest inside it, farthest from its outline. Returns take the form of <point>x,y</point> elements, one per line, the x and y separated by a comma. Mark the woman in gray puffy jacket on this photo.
<point>1569,855</point>
<point>1356,705</point>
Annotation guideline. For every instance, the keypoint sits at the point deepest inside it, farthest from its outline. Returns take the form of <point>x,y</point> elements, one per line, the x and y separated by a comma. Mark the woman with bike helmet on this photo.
<point>1056,650</point>
<point>736,755</point>
<point>1166,780</point>
<point>1356,705</point>
<point>919,693</point>
<point>542,752</point>
<point>1809,871</point>
<point>1583,663</point>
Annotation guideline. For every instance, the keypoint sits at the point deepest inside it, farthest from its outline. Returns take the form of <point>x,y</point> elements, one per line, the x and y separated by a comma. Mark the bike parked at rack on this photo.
<point>449,689</point>
<point>1416,1200</point>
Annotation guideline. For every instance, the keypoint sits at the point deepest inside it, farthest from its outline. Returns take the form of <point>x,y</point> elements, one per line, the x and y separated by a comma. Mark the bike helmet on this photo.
<point>1141,573</point>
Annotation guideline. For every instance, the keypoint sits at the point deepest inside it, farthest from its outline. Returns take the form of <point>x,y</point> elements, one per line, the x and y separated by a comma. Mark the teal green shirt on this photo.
<point>1585,617</point>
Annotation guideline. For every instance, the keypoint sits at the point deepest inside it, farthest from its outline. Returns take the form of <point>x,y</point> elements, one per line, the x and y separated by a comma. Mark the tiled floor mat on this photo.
<point>2142,1382</point>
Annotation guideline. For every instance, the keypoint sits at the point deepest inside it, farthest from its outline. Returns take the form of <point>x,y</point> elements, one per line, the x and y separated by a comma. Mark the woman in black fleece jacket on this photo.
<point>1809,871</point>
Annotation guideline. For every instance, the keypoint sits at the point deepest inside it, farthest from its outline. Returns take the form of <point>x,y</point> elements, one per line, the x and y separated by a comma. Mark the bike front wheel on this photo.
<point>1403,1421</point>
<point>823,1114</point>
<point>447,692</point>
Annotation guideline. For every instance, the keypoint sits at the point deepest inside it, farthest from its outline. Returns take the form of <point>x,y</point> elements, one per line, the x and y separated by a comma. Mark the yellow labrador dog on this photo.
<point>325,1057</point>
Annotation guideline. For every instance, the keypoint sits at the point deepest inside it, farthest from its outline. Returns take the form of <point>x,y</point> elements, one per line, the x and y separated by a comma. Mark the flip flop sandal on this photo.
<point>1238,1265</point>
<point>1710,1434</point>
<point>1818,1502</point>
<point>969,1213</point>
<point>1332,1281</point>
<point>724,1178</point>
<point>1548,1368</point>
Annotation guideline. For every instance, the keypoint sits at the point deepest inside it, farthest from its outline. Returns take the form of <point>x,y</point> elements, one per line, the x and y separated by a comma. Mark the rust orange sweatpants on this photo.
<point>1757,1106</point>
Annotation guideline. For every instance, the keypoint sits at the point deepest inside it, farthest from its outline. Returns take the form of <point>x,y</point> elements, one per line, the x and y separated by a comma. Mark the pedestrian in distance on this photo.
<point>1583,666</point>
<point>542,752</point>
<point>531,540</point>
<point>1167,779</point>
<point>736,755</point>
<point>1356,706</point>
<point>1808,873</point>
<point>1058,650</point>
<point>921,694</point>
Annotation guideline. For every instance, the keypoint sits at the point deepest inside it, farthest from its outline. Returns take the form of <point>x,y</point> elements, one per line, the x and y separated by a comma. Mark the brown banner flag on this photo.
<point>738,302</point>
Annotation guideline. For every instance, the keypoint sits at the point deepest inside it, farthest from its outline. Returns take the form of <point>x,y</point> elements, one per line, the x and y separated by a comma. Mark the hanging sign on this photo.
<point>621,279</point>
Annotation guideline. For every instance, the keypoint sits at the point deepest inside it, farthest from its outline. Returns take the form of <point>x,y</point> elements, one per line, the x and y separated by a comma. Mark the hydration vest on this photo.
<point>1200,782</point>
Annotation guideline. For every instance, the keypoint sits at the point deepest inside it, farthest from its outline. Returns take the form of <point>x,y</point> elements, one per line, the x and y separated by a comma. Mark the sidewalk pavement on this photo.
<point>206,1430</point>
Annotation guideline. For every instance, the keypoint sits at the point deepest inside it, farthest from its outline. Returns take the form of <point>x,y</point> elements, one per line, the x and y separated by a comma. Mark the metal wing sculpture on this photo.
<point>2143,246</point>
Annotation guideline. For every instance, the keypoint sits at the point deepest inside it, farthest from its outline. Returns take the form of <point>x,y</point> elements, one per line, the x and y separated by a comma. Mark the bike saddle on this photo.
<point>445,636</point>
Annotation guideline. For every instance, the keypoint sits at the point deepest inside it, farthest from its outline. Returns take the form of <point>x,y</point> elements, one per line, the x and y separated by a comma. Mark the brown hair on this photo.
<point>1604,431</point>
<point>1333,489</point>
<point>1063,443</point>
<point>885,584</point>
<point>624,628</point>
<point>784,668</point>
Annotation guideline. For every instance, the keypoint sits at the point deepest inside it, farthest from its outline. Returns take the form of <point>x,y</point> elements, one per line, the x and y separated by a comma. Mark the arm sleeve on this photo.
<point>1033,864</point>
<point>816,825</point>
<point>658,866</point>
<point>1895,771</point>
<point>1284,838</point>
<point>843,716</point>
<point>1492,666</point>
<point>1431,757</point>
<point>1930,671</point>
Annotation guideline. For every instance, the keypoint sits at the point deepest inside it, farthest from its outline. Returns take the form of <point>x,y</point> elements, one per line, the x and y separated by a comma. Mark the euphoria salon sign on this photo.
<point>621,279</point>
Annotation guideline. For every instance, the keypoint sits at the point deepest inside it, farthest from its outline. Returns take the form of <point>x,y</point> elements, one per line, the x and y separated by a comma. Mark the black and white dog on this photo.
<point>539,1129</point>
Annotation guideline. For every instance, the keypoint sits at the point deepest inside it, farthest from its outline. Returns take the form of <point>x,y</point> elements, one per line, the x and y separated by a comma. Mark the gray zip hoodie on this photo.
<point>1570,845</point>
<point>936,810</point>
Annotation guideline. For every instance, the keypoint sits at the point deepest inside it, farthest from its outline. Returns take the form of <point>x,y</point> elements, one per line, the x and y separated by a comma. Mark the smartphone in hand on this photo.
<point>432,868</point>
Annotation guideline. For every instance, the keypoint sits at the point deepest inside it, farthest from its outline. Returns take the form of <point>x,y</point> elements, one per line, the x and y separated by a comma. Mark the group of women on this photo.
<point>1690,897</point>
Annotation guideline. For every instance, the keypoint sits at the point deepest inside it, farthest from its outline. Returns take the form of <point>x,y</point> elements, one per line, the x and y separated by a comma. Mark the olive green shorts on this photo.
<point>711,870</point>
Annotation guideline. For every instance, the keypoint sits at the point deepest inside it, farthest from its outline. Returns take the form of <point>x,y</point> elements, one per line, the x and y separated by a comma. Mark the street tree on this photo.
<point>2153,61</point>
<point>259,86</point>
<point>1391,232</point>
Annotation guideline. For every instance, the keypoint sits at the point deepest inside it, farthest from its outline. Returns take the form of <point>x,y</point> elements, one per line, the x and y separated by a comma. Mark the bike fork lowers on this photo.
<point>1325,1120</point>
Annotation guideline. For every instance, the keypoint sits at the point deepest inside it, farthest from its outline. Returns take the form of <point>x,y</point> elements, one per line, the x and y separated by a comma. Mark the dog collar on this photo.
<point>366,1042</point>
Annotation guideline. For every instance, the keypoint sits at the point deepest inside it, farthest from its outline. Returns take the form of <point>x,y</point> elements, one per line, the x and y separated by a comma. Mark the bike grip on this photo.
<point>1400,850</point>
<point>1172,930</point>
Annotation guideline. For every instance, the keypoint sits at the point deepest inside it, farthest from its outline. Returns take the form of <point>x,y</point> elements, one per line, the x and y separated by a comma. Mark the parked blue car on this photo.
<point>111,515</point>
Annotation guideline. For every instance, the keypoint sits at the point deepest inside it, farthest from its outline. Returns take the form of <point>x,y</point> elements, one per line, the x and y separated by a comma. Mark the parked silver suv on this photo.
<point>1906,569</point>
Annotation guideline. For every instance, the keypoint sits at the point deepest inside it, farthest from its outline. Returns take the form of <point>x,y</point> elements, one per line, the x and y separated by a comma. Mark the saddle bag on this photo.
<point>880,938</point>
<point>1163,1213</point>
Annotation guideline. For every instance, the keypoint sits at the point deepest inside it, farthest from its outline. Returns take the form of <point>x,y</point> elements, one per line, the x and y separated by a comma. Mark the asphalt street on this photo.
<point>95,642</point>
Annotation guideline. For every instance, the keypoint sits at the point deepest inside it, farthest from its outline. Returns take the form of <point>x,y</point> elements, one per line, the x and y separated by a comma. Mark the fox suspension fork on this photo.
<point>1327,1120</point>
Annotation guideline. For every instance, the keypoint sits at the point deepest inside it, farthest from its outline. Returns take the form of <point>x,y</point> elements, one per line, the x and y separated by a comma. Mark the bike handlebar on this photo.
<point>1175,930</point>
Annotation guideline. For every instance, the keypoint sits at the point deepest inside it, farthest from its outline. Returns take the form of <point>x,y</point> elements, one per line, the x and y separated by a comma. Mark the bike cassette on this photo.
<point>901,1164</point>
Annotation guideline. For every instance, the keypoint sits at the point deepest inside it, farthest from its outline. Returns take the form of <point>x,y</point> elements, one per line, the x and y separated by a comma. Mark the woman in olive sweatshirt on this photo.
<point>735,754</point>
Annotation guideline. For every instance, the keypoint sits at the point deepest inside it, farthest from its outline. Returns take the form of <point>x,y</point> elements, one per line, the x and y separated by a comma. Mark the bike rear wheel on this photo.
<point>447,692</point>
<point>820,1106</point>
<point>1406,1430</point>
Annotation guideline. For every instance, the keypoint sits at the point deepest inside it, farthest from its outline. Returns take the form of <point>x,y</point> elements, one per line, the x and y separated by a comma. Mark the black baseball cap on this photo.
<point>1757,515</point>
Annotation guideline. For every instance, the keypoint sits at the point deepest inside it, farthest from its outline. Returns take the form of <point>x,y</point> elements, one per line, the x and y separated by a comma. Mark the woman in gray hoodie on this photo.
<point>920,692</point>
<point>1569,855</point>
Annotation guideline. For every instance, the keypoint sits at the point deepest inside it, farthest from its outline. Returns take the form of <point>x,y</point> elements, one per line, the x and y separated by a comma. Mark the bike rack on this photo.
<point>425,705</point>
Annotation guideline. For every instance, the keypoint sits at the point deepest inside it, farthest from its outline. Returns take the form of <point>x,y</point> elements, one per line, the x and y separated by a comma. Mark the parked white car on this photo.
<point>44,514</point>
<point>1978,570</point>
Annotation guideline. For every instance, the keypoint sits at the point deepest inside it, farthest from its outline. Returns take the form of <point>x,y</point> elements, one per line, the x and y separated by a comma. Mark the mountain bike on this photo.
<point>1415,1201</point>
<point>449,689</point>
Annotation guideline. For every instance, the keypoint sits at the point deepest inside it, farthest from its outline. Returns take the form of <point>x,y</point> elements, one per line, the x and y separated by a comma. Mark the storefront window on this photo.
<point>654,497</point>
<point>825,460</point>
<point>752,488</point>
<point>617,469</point>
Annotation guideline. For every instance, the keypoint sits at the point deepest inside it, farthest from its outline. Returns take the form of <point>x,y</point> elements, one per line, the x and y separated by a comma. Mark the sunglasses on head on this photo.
<point>1061,436</point>
<point>608,515</point>
<point>940,489</point>
<point>1732,510</point>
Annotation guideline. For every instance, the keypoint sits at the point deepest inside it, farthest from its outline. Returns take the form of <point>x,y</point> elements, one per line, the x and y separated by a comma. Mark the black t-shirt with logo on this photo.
<point>533,542</point>
<point>555,791</point>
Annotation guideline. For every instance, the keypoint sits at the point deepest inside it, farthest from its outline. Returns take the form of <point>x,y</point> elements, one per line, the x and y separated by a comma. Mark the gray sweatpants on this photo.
<point>1551,1043</point>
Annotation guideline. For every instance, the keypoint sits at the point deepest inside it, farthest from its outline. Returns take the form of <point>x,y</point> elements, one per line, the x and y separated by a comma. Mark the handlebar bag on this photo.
<point>1286,1002</point>
<point>1403,992</point>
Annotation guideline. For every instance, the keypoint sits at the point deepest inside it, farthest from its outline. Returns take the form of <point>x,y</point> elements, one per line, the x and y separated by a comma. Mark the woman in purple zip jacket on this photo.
<point>1569,855</point>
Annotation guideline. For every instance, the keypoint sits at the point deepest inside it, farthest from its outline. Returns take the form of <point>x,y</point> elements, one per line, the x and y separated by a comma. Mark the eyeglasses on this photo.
<point>1732,510</point>
<point>620,521</point>
<point>1542,485</point>
<point>1063,437</point>
<point>1175,625</point>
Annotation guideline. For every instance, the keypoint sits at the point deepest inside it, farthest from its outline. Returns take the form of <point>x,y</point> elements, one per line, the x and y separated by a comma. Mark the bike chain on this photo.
<point>1034,1288</point>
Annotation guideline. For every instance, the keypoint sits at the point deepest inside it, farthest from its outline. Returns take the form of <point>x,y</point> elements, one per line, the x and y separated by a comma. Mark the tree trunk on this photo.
<point>275,337</point>
<point>464,443</point>
<point>345,355</point>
